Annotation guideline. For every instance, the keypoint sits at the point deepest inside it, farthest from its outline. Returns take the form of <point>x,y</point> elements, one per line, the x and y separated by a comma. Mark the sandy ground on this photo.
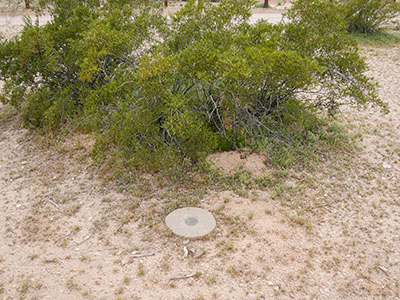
<point>333,233</point>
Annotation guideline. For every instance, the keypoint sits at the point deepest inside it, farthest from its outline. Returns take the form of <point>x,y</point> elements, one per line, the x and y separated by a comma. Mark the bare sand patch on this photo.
<point>231,162</point>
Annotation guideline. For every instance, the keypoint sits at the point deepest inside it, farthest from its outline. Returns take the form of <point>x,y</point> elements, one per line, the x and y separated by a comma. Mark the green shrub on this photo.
<point>163,92</point>
<point>366,16</point>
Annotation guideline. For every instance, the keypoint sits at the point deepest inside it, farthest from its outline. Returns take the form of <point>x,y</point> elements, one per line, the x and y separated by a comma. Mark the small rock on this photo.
<point>252,296</point>
<point>383,269</point>
<point>386,166</point>
<point>18,205</point>
<point>291,295</point>
<point>270,283</point>
<point>185,251</point>
<point>124,261</point>
<point>276,288</point>
<point>185,242</point>
<point>198,252</point>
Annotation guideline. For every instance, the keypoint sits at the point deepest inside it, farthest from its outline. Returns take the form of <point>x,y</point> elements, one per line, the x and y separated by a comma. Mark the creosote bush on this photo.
<point>367,16</point>
<point>164,92</point>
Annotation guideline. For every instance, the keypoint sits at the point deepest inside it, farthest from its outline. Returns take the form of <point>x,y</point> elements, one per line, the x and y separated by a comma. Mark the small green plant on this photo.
<point>119,291</point>
<point>141,271</point>
<point>229,246</point>
<point>211,279</point>
<point>72,285</point>
<point>127,280</point>
<point>25,287</point>
<point>165,263</point>
<point>279,188</point>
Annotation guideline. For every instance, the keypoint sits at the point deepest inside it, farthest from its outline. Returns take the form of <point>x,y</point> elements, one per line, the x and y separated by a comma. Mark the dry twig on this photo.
<point>183,277</point>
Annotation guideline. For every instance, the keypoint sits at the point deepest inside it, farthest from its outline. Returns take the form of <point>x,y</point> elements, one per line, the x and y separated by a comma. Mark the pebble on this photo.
<point>186,251</point>
<point>252,296</point>
<point>198,252</point>
<point>185,242</point>
<point>291,295</point>
<point>270,283</point>
<point>386,166</point>
<point>383,269</point>
<point>124,261</point>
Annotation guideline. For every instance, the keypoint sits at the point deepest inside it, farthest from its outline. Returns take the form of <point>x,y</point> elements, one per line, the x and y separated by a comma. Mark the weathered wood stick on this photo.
<point>183,277</point>
<point>142,255</point>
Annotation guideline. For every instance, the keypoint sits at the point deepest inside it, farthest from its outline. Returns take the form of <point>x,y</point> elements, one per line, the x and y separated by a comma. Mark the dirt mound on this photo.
<point>232,162</point>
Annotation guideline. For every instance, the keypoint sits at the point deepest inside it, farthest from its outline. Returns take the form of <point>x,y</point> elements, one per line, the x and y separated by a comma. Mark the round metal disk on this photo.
<point>190,222</point>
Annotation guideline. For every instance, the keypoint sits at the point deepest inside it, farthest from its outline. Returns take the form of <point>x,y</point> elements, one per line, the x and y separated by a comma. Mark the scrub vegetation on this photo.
<point>161,93</point>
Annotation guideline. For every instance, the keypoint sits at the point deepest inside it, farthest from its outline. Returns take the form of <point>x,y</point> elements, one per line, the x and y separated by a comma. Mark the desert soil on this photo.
<point>331,233</point>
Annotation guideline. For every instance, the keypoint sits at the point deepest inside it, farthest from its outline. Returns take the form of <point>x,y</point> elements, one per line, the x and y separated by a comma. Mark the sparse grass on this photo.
<point>299,220</point>
<point>33,256</point>
<point>119,291</point>
<point>165,265</point>
<point>279,189</point>
<point>379,38</point>
<point>24,287</point>
<point>141,271</point>
<point>7,112</point>
<point>229,246</point>
<point>72,285</point>
<point>234,271</point>
<point>211,279</point>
